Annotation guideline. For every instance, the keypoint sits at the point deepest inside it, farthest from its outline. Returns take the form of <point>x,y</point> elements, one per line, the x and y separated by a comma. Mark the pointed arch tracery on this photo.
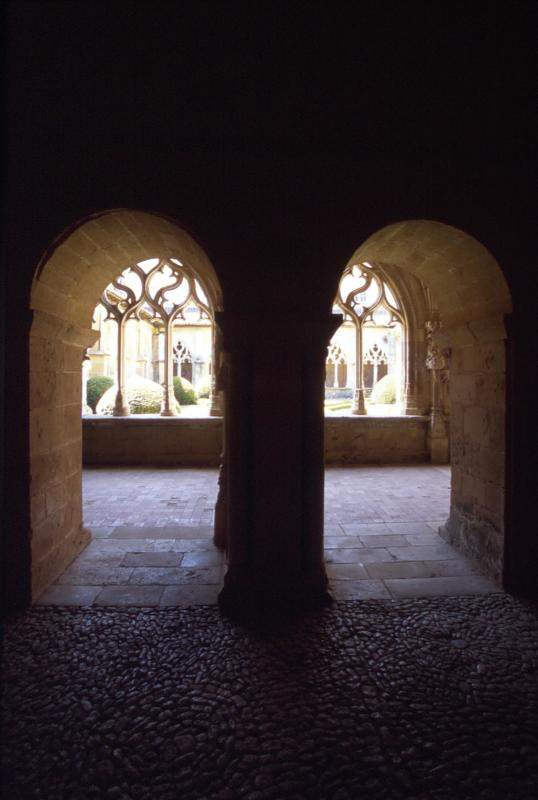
<point>158,291</point>
<point>368,300</point>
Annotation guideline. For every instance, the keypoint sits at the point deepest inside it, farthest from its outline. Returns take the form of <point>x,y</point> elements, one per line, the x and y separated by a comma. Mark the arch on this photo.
<point>450,262</point>
<point>67,286</point>
<point>469,299</point>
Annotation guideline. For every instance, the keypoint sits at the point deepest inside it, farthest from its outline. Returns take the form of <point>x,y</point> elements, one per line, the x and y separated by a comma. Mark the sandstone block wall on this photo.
<point>477,443</point>
<point>56,449</point>
<point>191,442</point>
<point>376,440</point>
<point>152,440</point>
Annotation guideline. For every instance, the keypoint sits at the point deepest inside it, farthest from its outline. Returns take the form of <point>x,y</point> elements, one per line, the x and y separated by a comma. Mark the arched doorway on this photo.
<point>67,287</point>
<point>455,369</point>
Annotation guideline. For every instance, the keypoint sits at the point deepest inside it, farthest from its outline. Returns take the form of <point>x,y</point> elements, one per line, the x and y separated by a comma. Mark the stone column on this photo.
<point>121,406</point>
<point>216,404</point>
<point>274,444</point>
<point>359,406</point>
<point>168,408</point>
<point>410,402</point>
<point>85,375</point>
<point>155,361</point>
<point>220,531</point>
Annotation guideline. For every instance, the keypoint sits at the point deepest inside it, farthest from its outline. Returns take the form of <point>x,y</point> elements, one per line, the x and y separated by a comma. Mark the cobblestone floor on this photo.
<point>424,699</point>
<point>152,529</point>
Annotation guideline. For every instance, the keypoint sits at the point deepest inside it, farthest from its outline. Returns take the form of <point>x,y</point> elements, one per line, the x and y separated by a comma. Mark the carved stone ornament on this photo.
<point>437,357</point>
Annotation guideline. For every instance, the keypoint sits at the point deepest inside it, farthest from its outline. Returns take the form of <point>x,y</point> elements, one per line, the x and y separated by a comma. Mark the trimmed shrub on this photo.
<point>384,391</point>
<point>143,396</point>
<point>184,392</point>
<point>95,389</point>
<point>204,391</point>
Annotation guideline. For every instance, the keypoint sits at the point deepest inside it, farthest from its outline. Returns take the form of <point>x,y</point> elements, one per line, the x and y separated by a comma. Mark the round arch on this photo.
<point>67,286</point>
<point>470,298</point>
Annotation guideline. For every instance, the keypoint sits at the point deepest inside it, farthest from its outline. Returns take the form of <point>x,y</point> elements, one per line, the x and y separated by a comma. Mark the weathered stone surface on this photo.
<point>198,442</point>
<point>388,700</point>
<point>375,440</point>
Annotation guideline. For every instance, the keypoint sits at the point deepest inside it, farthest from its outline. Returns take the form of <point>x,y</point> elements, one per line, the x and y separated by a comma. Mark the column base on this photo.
<point>359,406</point>
<point>215,405</point>
<point>167,412</point>
<point>121,408</point>
<point>410,405</point>
<point>124,411</point>
<point>248,599</point>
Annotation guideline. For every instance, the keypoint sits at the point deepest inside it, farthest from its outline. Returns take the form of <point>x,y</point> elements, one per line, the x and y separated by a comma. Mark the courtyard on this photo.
<point>152,538</point>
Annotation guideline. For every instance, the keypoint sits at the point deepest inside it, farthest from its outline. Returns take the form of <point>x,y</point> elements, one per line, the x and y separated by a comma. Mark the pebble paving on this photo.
<point>422,699</point>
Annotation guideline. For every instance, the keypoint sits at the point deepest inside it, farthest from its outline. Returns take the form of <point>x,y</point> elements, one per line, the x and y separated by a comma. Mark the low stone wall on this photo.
<point>152,440</point>
<point>198,442</point>
<point>376,440</point>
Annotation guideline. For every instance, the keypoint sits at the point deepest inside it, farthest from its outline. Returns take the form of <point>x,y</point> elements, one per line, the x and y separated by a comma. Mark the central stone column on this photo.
<point>274,461</point>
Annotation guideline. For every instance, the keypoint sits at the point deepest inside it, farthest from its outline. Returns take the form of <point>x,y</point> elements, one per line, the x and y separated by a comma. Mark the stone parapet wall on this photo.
<point>154,440</point>
<point>376,440</point>
<point>198,442</point>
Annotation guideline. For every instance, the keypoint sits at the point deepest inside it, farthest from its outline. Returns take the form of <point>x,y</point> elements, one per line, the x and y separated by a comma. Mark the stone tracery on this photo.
<point>159,291</point>
<point>366,299</point>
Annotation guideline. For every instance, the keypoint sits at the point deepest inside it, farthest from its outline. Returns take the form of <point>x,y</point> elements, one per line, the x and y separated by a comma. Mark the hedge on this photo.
<point>95,389</point>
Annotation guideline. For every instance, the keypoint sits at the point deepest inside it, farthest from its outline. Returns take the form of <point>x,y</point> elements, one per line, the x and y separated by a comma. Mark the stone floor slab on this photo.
<point>423,539</point>
<point>129,596</point>
<point>359,590</point>
<point>374,555</point>
<point>359,528</point>
<point>208,558</point>
<point>452,567</point>
<point>101,533</point>
<point>153,528</point>
<point>90,574</point>
<point>65,595</point>
<point>165,559</point>
<point>436,552</point>
<point>399,569</point>
<point>410,528</point>
<point>331,542</point>
<point>346,572</point>
<point>436,587</point>
<point>175,575</point>
<point>382,540</point>
<point>181,545</point>
<point>164,532</point>
<point>190,595</point>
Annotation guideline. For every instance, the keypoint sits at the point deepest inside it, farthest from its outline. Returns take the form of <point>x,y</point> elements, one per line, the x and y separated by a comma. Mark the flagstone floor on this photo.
<point>152,538</point>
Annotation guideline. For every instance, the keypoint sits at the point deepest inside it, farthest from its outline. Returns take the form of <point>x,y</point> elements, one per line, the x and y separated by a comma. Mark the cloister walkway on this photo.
<point>152,527</point>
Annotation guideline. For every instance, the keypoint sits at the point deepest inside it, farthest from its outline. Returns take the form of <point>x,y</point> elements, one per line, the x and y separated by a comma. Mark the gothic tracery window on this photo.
<point>374,322</point>
<point>336,363</point>
<point>161,293</point>
<point>182,359</point>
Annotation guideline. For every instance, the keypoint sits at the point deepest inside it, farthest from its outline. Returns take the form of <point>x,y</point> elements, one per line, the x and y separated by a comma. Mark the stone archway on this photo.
<point>66,288</point>
<point>472,297</point>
